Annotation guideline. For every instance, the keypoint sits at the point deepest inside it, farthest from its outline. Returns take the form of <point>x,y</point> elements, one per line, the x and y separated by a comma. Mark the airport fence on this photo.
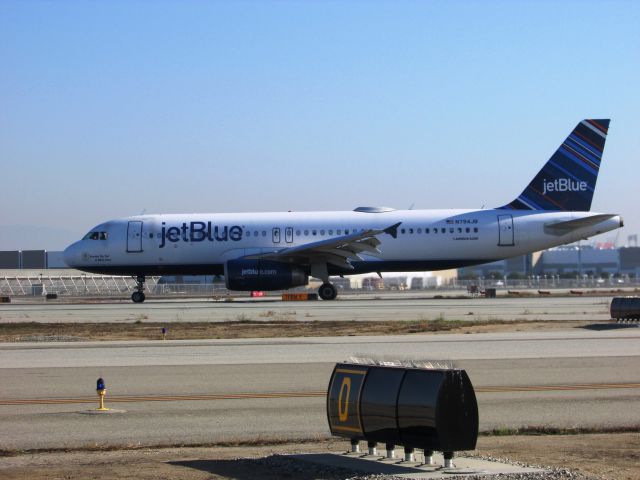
<point>546,282</point>
<point>69,285</point>
<point>96,285</point>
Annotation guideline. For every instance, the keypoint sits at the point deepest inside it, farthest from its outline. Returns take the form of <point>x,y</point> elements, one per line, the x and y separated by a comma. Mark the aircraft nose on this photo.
<point>71,255</point>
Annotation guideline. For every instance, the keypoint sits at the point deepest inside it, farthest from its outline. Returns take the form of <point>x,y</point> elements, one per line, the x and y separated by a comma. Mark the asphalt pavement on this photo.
<point>202,392</point>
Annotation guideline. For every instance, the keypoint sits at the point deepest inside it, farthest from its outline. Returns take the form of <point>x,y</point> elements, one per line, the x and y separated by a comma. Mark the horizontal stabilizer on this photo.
<point>562,228</point>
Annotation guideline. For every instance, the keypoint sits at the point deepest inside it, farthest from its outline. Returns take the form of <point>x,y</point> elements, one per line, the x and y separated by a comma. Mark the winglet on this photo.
<point>392,230</point>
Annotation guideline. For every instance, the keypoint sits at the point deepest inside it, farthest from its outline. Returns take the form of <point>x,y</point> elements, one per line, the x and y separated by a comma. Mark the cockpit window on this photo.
<point>95,236</point>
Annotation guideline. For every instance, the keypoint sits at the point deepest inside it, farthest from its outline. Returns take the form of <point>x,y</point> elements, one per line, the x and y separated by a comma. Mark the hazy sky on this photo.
<point>108,109</point>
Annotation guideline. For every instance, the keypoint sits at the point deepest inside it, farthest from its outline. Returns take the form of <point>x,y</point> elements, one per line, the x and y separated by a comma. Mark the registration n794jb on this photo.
<point>277,251</point>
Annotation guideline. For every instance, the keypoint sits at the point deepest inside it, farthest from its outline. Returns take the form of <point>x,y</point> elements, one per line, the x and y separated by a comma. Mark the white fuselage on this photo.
<point>426,240</point>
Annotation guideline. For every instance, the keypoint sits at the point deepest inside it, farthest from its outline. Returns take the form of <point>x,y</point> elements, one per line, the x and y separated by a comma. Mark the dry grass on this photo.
<point>247,328</point>
<point>598,455</point>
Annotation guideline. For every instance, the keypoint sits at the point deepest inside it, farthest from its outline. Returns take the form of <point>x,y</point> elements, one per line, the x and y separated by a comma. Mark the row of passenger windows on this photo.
<point>314,231</point>
<point>410,231</point>
<point>95,236</point>
<point>321,232</point>
<point>403,231</point>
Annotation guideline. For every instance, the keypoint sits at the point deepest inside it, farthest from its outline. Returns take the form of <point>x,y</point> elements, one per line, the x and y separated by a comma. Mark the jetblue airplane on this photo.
<point>277,251</point>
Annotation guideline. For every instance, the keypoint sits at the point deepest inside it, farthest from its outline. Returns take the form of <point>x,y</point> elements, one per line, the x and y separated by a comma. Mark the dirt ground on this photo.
<point>34,331</point>
<point>608,456</point>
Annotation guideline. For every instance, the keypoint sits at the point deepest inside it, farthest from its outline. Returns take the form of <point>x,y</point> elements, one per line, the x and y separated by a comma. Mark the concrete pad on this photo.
<point>110,411</point>
<point>368,464</point>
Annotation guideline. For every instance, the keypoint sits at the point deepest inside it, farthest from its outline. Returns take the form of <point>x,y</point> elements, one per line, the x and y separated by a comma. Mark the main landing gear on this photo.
<point>327,291</point>
<point>138,295</point>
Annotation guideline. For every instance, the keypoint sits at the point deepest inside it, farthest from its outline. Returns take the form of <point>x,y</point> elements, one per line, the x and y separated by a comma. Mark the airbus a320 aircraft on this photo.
<point>277,251</point>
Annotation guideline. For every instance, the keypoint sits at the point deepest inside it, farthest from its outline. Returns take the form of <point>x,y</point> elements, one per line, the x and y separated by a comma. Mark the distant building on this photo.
<point>572,260</point>
<point>30,259</point>
<point>516,266</point>
<point>580,260</point>
<point>630,260</point>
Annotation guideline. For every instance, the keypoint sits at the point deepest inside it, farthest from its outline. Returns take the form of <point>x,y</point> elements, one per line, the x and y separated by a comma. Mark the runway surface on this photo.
<point>388,307</point>
<point>190,392</point>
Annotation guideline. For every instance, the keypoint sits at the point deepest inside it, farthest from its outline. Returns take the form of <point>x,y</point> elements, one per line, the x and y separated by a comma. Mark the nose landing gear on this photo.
<point>138,296</point>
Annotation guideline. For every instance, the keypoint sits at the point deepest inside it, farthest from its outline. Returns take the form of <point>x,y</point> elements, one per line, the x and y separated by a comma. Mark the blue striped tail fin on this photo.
<point>568,179</point>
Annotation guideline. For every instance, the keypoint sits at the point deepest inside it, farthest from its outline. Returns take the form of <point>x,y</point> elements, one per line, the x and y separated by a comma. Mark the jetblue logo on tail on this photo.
<point>568,179</point>
<point>563,185</point>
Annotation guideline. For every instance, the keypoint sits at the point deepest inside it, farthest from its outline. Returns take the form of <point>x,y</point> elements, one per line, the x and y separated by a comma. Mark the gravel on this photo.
<point>289,467</point>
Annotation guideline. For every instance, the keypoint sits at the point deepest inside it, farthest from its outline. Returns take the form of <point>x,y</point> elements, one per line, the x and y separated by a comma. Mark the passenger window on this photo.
<point>297,233</point>
<point>451,230</point>
<point>264,233</point>
<point>330,232</point>
<point>402,231</point>
<point>346,231</point>
<point>475,230</point>
<point>306,232</point>
<point>426,230</point>
<point>339,231</point>
<point>443,230</point>
<point>411,231</point>
<point>468,230</point>
<point>321,232</point>
<point>419,230</point>
<point>313,232</point>
<point>459,230</point>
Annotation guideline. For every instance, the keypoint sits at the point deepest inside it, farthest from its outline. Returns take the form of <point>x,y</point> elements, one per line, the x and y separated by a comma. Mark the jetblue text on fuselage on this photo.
<point>563,185</point>
<point>199,232</point>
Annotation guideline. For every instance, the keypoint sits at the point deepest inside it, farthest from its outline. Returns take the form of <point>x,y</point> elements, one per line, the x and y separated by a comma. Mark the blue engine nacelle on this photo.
<point>249,275</point>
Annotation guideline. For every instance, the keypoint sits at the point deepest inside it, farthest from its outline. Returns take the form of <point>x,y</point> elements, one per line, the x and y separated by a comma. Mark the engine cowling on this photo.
<point>249,275</point>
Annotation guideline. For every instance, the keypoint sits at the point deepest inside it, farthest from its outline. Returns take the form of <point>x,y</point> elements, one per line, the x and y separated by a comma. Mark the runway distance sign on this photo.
<point>343,399</point>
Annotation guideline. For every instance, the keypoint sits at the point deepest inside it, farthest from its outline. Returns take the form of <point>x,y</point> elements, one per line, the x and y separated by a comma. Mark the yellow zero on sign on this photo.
<point>344,399</point>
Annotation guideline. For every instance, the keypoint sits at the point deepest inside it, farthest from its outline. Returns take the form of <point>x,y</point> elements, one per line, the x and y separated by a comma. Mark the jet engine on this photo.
<point>249,275</point>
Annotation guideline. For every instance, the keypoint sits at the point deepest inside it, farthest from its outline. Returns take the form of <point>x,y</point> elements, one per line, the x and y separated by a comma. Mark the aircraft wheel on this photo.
<point>327,291</point>
<point>137,297</point>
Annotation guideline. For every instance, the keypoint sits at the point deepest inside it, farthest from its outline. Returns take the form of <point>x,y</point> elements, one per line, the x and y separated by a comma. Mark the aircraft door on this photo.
<point>134,237</point>
<point>276,235</point>
<point>505,231</point>
<point>288,235</point>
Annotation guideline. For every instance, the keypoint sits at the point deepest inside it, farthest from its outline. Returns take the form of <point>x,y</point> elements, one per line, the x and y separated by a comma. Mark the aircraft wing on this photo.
<point>339,251</point>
